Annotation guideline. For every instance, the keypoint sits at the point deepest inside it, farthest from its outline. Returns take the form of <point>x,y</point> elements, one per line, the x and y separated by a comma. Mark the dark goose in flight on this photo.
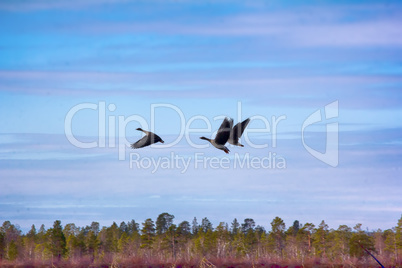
<point>237,131</point>
<point>222,135</point>
<point>148,139</point>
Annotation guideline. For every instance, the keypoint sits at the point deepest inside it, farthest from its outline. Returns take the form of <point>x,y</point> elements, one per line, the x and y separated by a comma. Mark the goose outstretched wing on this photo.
<point>238,130</point>
<point>224,131</point>
<point>144,141</point>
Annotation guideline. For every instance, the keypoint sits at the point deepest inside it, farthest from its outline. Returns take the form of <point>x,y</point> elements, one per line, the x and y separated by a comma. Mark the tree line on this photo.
<point>163,241</point>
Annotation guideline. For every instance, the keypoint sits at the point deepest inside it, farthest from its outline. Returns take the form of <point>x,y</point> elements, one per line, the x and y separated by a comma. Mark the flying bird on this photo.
<point>148,139</point>
<point>222,135</point>
<point>237,131</point>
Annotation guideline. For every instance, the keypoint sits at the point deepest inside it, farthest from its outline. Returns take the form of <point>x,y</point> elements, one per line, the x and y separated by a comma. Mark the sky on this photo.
<point>320,80</point>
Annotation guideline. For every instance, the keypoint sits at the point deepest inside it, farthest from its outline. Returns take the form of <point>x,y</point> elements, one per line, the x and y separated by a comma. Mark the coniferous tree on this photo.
<point>250,239</point>
<point>277,235</point>
<point>222,239</point>
<point>291,245</point>
<point>248,224</point>
<point>398,240</point>
<point>296,227</point>
<point>41,234</point>
<point>2,245</point>
<point>123,244</point>
<point>123,227</point>
<point>307,230</point>
<point>339,238</point>
<point>30,241</point>
<point>32,232</point>
<point>183,234</point>
<point>391,244</point>
<point>195,227</point>
<point>12,251</point>
<point>132,227</point>
<point>235,226</point>
<point>206,225</point>
<point>112,237</point>
<point>41,249</point>
<point>320,239</point>
<point>170,239</point>
<point>71,229</point>
<point>184,228</point>
<point>147,234</point>
<point>57,240</point>
<point>95,227</point>
<point>379,241</point>
<point>360,241</point>
<point>10,236</point>
<point>92,243</point>
<point>163,222</point>
<point>118,243</point>
<point>239,245</point>
<point>108,238</point>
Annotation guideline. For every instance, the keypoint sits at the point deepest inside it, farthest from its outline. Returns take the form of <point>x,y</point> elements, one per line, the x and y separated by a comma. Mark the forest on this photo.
<point>161,243</point>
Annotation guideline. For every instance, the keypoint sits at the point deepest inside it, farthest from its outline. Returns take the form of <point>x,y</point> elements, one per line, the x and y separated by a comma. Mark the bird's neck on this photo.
<point>206,139</point>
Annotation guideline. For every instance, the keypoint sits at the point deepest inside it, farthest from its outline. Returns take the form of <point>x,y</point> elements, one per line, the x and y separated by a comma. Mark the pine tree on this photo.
<point>2,245</point>
<point>123,244</point>
<point>235,226</point>
<point>12,253</point>
<point>95,227</point>
<point>398,239</point>
<point>291,248</point>
<point>206,225</point>
<point>183,235</point>
<point>170,239</point>
<point>390,244</point>
<point>340,243</point>
<point>184,228</point>
<point>30,241</point>
<point>250,239</point>
<point>132,227</point>
<point>57,240</point>
<point>320,239</point>
<point>70,229</point>
<point>248,224</point>
<point>195,227</point>
<point>112,237</point>
<point>147,234</point>
<point>123,227</point>
<point>277,235</point>
<point>115,244</point>
<point>238,244</point>
<point>360,241</point>
<point>163,222</point>
<point>223,239</point>
<point>41,234</point>
<point>92,243</point>
<point>209,245</point>
<point>295,227</point>
<point>11,234</point>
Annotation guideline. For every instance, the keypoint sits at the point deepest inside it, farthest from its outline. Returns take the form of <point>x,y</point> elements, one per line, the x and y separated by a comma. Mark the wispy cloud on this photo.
<point>354,91</point>
<point>329,27</point>
<point>373,24</point>
<point>35,5</point>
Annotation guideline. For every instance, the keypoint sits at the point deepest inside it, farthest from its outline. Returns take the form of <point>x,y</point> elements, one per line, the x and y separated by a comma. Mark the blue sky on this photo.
<point>207,60</point>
